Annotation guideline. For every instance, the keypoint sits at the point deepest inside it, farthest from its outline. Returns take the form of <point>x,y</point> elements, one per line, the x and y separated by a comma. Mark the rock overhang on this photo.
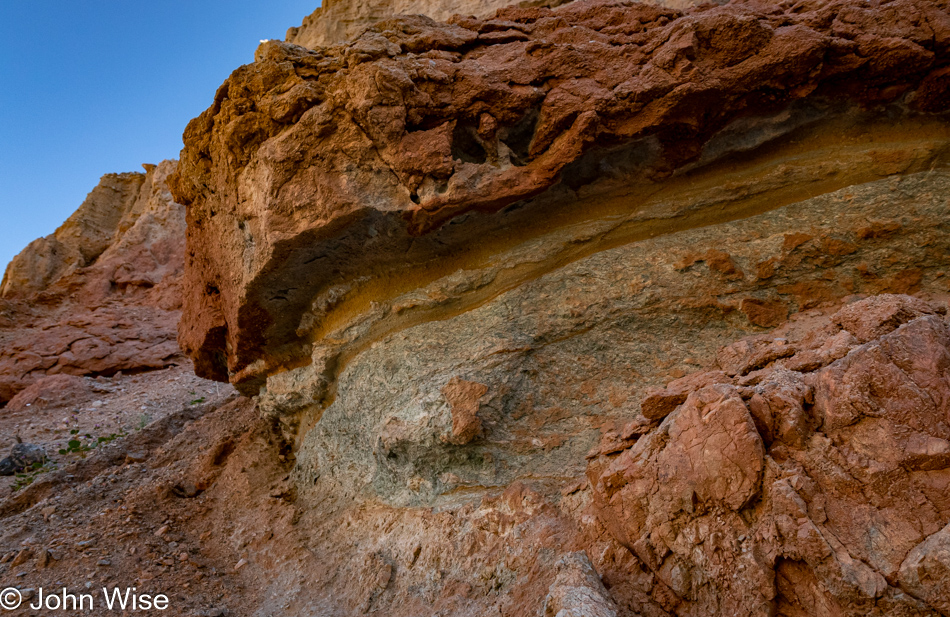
<point>392,160</point>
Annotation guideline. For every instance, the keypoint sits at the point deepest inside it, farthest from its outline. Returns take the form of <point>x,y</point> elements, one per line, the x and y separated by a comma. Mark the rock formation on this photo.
<point>317,176</point>
<point>101,294</point>
<point>601,310</point>
<point>807,484</point>
<point>337,22</point>
<point>451,259</point>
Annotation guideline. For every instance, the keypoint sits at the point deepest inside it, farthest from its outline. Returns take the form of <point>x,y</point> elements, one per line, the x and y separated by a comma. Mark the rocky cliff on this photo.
<point>101,294</point>
<point>337,22</point>
<point>452,259</point>
<point>607,309</point>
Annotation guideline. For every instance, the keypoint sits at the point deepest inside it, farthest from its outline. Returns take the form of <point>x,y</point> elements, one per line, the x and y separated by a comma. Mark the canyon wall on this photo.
<point>546,305</point>
<point>102,294</point>
<point>599,309</point>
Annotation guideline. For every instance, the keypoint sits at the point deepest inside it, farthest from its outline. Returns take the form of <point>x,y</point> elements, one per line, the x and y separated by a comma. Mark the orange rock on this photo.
<point>463,397</point>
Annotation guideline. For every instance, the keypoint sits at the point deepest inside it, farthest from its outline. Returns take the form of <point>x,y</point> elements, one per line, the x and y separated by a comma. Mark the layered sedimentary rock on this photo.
<point>566,281</point>
<point>315,177</point>
<point>102,294</point>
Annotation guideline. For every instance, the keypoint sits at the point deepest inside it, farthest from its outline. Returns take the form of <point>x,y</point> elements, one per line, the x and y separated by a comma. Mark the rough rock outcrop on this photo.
<point>337,22</point>
<point>320,181</point>
<point>800,488</point>
<point>102,294</point>
<point>107,211</point>
<point>606,310</point>
<point>452,260</point>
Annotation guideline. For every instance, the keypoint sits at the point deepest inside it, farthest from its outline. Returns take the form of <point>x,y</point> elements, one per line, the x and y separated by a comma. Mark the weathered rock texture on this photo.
<point>323,180</point>
<point>487,278</point>
<point>610,309</point>
<point>103,293</point>
<point>811,484</point>
<point>340,21</point>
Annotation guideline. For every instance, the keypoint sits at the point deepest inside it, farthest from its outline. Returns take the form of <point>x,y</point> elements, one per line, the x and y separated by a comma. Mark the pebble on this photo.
<point>21,557</point>
<point>103,562</point>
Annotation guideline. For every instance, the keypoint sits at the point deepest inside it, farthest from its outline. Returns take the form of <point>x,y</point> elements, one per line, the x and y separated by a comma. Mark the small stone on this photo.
<point>162,530</point>
<point>21,557</point>
<point>22,457</point>
<point>85,544</point>
<point>104,562</point>
<point>240,564</point>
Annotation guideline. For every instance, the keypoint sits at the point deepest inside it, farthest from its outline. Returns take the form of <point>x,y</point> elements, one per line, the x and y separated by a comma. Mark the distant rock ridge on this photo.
<point>102,294</point>
<point>339,21</point>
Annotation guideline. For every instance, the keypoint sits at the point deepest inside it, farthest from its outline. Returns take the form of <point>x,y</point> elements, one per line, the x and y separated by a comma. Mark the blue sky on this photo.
<point>88,88</point>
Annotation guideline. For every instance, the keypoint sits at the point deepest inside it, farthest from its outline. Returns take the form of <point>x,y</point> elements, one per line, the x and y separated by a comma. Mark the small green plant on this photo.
<point>76,445</point>
<point>196,401</point>
<point>26,477</point>
<point>144,419</point>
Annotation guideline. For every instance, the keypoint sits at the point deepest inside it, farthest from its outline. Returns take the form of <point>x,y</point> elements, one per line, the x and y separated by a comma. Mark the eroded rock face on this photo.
<point>100,295</point>
<point>320,181</point>
<point>542,313</point>
<point>79,241</point>
<point>337,22</point>
<point>799,492</point>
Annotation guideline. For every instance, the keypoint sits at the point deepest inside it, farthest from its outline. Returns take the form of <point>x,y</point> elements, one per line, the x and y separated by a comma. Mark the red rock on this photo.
<point>360,155</point>
<point>52,391</point>
<point>102,294</point>
<point>925,572</point>
<point>879,315</point>
<point>464,397</point>
<point>764,313</point>
<point>752,353</point>
<point>659,402</point>
<point>850,515</point>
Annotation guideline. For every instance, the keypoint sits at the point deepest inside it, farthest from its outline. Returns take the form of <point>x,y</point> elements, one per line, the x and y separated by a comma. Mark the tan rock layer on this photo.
<point>318,168</point>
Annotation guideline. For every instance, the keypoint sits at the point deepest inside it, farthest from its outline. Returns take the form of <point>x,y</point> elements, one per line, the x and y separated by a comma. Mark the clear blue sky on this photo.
<point>100,86</point>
